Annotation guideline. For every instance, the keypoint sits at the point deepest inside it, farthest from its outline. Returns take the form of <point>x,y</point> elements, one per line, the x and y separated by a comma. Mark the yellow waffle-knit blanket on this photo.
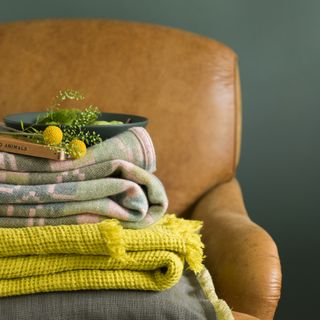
<point>98,256</point>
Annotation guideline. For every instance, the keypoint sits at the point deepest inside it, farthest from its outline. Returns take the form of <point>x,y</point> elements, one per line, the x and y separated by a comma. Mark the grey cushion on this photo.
<point>184,301</point>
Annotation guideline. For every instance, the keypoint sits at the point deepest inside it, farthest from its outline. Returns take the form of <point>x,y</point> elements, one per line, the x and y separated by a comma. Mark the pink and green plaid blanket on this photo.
<point>114,180</point>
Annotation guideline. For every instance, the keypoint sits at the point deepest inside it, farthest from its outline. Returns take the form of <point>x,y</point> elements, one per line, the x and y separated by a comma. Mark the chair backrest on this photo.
<point>186,84</point>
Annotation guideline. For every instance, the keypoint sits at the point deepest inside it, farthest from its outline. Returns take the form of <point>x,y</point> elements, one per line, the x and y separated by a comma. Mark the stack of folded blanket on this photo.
<point>97,222</point>
<point>114,180</point>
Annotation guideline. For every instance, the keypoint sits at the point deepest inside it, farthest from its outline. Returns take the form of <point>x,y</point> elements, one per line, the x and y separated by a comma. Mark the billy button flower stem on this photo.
<point>22,134</point>
<point>52,135</point>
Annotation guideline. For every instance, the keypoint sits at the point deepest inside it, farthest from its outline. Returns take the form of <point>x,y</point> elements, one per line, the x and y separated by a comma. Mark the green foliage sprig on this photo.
<point>89,116</point>
<point>68,94</point>
<point>72,121</point>
<point>74,132</point>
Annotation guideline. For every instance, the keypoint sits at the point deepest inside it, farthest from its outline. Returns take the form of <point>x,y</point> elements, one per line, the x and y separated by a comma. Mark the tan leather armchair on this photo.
<point>188,86</point>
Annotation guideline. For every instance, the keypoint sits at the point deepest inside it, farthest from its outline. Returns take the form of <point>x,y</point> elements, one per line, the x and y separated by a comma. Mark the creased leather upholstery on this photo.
<point>189,88</point>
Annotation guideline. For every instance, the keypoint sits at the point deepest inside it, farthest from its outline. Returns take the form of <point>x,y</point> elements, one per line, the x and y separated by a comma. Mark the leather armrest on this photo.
<point>242,316</point>
<point>241,256</point>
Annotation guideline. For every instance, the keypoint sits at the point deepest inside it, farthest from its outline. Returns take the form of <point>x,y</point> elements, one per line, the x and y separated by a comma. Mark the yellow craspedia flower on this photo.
<point>52,135</point>
<point>77,148</point>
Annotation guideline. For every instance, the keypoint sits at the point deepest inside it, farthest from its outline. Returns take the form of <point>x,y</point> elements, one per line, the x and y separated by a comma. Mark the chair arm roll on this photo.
<point>241,256</point>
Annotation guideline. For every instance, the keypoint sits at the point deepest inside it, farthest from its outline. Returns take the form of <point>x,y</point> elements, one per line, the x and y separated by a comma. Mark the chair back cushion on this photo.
<point>186,84</point>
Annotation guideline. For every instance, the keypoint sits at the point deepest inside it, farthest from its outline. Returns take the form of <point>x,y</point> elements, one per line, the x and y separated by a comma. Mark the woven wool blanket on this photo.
<point>98,256</point>
<point>89,190</point>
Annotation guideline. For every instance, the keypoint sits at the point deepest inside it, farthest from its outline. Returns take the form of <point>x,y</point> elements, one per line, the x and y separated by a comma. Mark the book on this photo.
<point>13,145</point>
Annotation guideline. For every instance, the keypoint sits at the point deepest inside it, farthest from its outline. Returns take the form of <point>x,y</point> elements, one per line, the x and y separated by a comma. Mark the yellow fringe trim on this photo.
<point>112,233</point>
<point>189,231</point>
<point>221,308</point>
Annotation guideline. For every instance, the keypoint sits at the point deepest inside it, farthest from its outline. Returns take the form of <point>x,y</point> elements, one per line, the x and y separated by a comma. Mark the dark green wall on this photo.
<point>278,43</point>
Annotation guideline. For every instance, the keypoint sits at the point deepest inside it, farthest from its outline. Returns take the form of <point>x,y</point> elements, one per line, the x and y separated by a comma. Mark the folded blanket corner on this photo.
<point>189,229</point>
